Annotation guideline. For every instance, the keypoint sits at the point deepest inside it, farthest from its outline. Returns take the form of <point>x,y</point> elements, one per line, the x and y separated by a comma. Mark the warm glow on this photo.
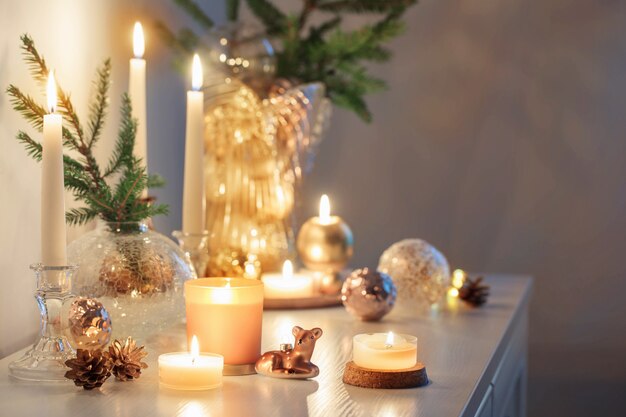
<point>390,339</point>
<point>196,73</point>
<point>227,284</point>
<point>139,44</point>
<point>453,292</point>
<point>458,278</point>
<point>51,91</point>
<point>195,348</point>
<point>287,269</point>
<point>324,209</point>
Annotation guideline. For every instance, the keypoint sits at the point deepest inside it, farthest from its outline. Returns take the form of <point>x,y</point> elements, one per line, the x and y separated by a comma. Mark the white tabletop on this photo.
<point>458,347</point>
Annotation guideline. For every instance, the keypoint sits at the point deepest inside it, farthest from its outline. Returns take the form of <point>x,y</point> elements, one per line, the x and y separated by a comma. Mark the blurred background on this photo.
<point>500,141</point>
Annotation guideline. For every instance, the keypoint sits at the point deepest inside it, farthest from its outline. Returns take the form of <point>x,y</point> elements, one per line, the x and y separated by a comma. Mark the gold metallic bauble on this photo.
<point>89,323</point>
<point>325,246</point>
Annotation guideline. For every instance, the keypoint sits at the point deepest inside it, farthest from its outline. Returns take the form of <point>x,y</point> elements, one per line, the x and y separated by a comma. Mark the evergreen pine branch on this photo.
<point>77,216</point>
<point>33,148</point>
<point>100,103</point>
<point>195,12</point>
<point>27,107</point>
<point>274,20</point>
<point>125,143</point>
<point>82,176</point>
<point>232,10</point>
<point>36,63</point>
<point>155,181</point>
<point>363,6</point>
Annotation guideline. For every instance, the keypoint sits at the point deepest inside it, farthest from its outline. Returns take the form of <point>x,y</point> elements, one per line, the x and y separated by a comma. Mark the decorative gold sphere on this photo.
<point>325,246</point>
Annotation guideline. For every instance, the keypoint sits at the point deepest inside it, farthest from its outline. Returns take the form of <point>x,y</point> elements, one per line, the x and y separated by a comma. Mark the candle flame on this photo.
<point>458,278</point>
<point>390,339</point>
<point>195,348</point>
<point>453,292</point>
<point>287,269</point>
<point>139,43</point>
<point>324,209</point>
<point>196,73</point>
<point>227,284</point>
<point>51,92</point>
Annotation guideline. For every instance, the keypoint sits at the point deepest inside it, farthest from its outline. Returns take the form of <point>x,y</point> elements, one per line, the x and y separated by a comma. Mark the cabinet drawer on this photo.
<point>509,379</point>
<point>485,409</point>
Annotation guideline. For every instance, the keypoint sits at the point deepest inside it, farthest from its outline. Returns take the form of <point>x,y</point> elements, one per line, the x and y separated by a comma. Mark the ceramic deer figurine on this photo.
<point>292,362</point>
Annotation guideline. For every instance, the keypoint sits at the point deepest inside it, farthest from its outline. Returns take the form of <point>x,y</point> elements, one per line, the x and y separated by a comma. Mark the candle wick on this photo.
<point>388,346</point>
<point>193,360</point>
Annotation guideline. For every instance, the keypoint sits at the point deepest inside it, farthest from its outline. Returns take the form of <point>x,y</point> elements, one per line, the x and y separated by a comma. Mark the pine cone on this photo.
<point>474,291</point>
<point>126,359</point>
<point>89,369</point>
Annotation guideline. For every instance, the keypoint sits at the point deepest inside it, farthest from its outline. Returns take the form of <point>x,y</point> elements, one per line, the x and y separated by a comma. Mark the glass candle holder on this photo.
<point>45,361</point>
<point>226,316</point>
<point>196,248</point>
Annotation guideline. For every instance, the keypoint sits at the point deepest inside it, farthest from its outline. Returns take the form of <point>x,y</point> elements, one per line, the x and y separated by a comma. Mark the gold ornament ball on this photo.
<point>89,323</point>
<point>325,246</point>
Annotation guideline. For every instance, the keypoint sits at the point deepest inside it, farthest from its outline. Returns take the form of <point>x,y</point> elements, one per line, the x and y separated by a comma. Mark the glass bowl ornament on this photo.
<point>137,273</point>
<point>420,272</point>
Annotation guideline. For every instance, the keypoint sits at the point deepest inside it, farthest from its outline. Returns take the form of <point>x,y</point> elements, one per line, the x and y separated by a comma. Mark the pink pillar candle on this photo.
<point>226,315</point>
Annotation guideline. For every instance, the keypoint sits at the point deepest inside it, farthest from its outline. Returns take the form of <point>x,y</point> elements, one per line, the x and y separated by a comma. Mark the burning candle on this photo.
<point>193,189</point>
<point>191,371</point>
<point>53,233</point>
<point>226,315</point>
<point>325,243</point>
<point>137,93</point>
<point>384,351</point>
<point>287,284</point>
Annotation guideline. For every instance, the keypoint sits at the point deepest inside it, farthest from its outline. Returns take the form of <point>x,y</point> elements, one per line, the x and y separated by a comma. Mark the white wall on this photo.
<point>501,141</point>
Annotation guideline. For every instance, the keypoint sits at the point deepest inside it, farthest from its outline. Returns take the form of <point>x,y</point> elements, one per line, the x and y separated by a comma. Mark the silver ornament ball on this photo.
<point>89,324</point>
<point>419,271</point>
<point>368,294</point>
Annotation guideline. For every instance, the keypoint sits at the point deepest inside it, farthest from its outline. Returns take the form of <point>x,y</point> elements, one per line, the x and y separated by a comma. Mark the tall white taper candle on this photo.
<point>193,189</point>
<point>53,233</point>
<point>137,93</point>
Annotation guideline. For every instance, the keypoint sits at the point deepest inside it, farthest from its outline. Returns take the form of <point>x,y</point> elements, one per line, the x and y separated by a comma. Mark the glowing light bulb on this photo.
<point>453,292</point>
<point>51,92</point>
<point>324,209</point>
<point>458,278</point>
<point>139,43</point>
<point>196,73</point>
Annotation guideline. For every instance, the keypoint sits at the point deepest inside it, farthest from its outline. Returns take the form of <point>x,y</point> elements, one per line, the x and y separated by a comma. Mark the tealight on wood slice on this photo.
<point>379,379</point>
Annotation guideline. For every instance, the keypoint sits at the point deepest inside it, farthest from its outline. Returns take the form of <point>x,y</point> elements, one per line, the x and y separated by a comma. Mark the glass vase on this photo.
<point>256,154</point>
<point>137,273</point>
<point>45,361</point>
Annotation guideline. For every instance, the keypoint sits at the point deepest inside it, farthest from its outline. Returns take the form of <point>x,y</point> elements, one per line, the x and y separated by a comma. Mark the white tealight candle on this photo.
<point>384,351</point>
<point>53,233</point>
<point>193,188</point>
<point>137,93</point>
<point>191,371</point>
<point>287,284</point>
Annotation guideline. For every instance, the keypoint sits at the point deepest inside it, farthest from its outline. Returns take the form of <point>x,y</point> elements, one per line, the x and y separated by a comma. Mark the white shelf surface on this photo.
<point>460,347</point>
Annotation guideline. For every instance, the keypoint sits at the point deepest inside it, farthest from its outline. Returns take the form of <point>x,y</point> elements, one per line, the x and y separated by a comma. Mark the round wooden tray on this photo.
<point>318,301</point>
<point>372,378</point>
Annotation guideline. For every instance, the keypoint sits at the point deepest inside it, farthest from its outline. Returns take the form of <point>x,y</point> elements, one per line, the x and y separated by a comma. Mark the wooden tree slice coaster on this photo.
<point>373,378</point>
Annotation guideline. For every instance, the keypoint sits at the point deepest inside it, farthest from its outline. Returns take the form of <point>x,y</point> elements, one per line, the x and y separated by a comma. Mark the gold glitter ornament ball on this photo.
<point>420,272</point>
<point>89,324</point>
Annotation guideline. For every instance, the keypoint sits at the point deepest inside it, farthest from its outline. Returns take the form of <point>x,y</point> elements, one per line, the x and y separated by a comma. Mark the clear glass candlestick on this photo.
<point>45,361</point>
<point>196,247</point>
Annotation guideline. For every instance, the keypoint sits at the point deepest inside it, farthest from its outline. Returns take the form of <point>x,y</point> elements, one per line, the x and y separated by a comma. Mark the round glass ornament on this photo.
<point>420,272</point>
<point>368,294</point>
